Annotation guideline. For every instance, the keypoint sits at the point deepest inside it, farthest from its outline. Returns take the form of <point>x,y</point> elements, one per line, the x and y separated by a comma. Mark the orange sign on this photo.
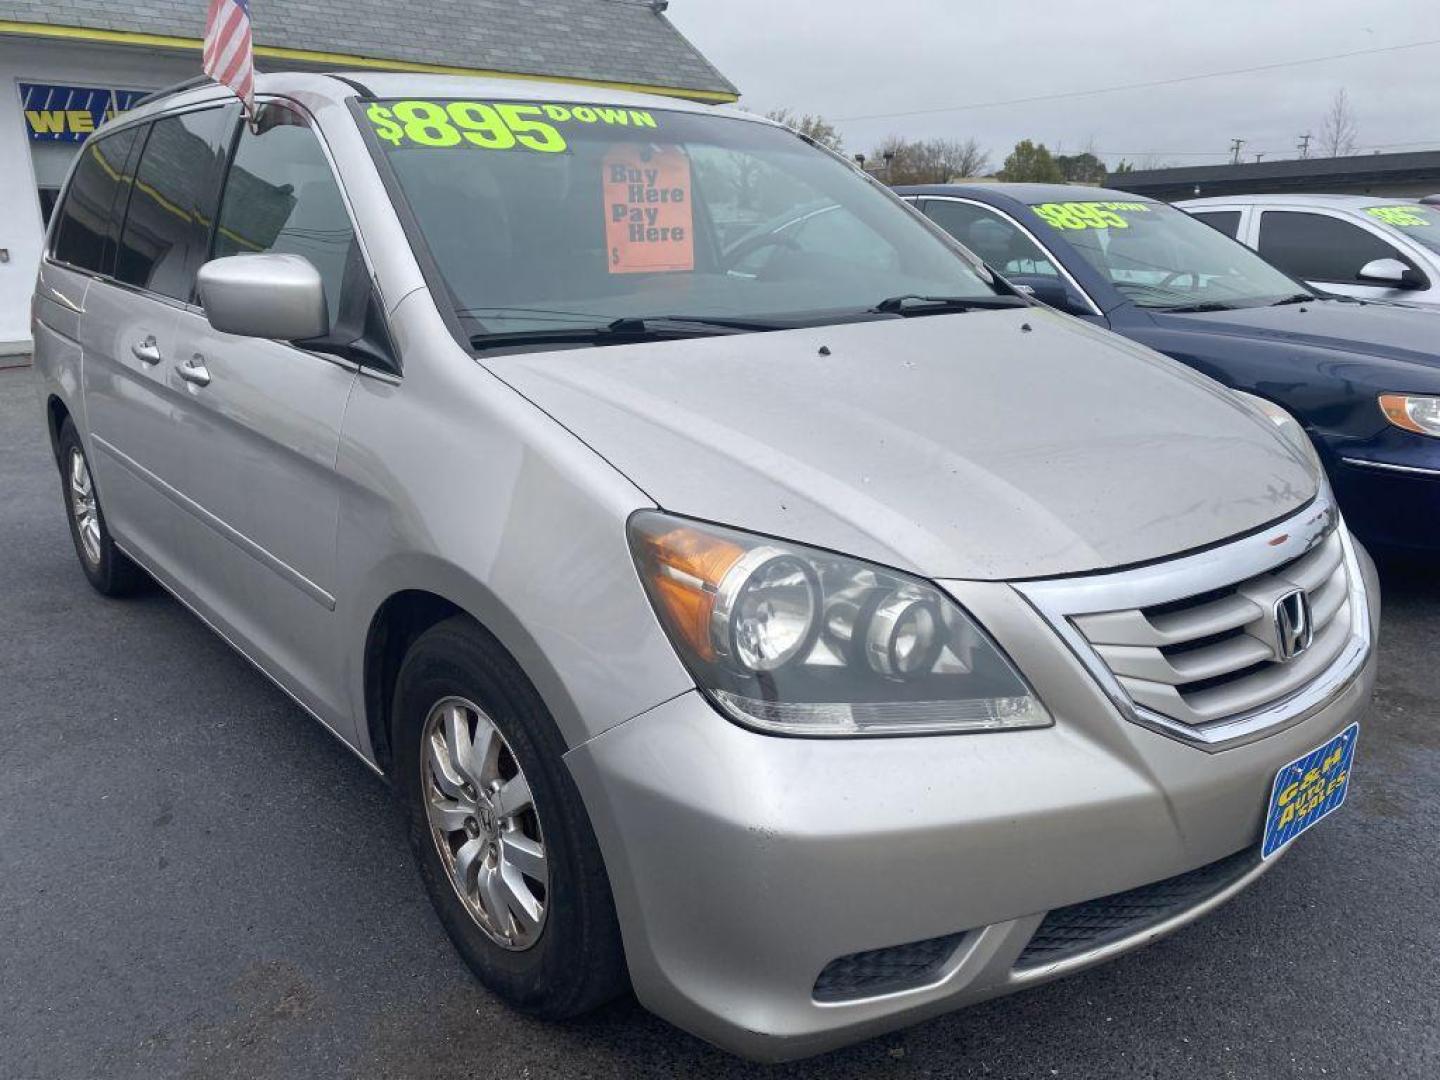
<point>649,227</point>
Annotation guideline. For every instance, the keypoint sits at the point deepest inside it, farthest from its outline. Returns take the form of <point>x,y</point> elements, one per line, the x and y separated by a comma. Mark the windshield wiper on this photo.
<point>616,332</point>
<point>917,304</point>
<point>1295,298</point>
<point>1204,305</point>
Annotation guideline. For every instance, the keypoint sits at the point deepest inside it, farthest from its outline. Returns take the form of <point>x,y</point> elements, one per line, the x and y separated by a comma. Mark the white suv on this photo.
<point>1365,246</point>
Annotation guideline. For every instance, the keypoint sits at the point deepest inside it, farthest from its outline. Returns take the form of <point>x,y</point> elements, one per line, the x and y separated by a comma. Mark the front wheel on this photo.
<point>108,568</point>
<point>502,838</point>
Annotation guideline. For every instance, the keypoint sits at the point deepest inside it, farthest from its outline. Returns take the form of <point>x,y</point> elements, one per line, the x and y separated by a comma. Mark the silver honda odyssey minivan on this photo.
<point>752,599</point>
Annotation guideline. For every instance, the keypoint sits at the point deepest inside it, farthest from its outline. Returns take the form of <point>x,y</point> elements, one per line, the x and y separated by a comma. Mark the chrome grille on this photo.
<point>1194,646</point>
<point>1202,660</point>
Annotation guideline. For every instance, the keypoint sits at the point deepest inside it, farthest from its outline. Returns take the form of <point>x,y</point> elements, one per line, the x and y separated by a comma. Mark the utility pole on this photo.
<point>1235,145</point>
<point>1258,156</point>
<point>1305,144</point>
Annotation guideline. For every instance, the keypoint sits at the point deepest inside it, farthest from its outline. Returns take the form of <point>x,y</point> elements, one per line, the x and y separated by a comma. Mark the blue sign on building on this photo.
<point>71,113</point>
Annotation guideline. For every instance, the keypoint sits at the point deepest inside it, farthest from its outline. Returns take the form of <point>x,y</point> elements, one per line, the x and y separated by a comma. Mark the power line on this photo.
<point>1139,85</point>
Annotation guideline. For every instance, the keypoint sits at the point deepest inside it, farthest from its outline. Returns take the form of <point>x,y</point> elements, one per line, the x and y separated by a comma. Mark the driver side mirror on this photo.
<point>1052,291</point>
<point>1391,272</point>
<point>266,296</point>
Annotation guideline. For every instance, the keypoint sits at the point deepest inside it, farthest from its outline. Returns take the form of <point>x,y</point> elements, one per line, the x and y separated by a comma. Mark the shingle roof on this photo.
<point>619,41</point>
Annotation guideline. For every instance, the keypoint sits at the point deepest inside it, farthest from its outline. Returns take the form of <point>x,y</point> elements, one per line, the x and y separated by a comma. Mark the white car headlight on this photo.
<point>1413,412</point>
<point>785,638</point>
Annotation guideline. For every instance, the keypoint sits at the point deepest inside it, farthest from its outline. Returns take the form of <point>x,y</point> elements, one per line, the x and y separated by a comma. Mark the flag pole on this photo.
<point>229,55</point>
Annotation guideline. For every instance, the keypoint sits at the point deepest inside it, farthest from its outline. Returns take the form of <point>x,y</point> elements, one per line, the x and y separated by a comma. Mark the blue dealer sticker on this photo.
<point>1307,789</point>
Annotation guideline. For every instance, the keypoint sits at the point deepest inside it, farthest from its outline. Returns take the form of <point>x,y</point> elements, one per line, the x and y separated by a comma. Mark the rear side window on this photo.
<point>1225,221</point>
<point>1314,247</point>
<point>89,222</point>
<point>281,197</point>
<point>173,202</point>
<point>1000,242</point>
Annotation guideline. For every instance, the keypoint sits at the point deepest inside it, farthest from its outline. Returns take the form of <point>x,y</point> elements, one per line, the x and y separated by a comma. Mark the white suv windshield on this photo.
<point>1160,257</point>
<point>1419,223</point>
<point>547,216</point>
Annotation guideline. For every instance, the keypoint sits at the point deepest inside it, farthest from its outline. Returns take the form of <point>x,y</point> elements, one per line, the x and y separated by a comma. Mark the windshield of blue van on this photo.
<point>565,216</point>
<point>1419,223</point>
<point>1160,257</point>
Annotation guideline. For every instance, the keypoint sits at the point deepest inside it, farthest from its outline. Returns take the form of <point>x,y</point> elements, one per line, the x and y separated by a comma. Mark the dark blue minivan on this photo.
<point>1363,378</point>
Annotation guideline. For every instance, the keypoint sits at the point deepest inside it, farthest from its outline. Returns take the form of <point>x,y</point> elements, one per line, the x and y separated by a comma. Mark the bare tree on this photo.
<point>1339,130</point>
<point>959,158</point>
<point>814,127</point>
<point>898,160</point>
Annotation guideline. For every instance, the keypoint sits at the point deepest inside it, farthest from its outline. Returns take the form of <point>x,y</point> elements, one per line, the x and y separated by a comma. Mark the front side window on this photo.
<point>86,233</point>
<point>1223,221</point>
<point>1160,257</point>
<point>552,215</point>
<point>1315,247</point>
<point>281,196</point>
<point>172,204</point>
<point>997,240</point>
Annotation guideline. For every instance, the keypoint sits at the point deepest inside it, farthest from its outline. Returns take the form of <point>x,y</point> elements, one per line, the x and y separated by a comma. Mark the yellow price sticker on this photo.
<point>1404,217</point>
<point>1089,215</point>
<point>492,125</point>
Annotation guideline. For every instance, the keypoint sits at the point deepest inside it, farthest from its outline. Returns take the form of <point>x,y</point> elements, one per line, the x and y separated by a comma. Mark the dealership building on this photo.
<point>66,65</point>
<point>1389,176</point>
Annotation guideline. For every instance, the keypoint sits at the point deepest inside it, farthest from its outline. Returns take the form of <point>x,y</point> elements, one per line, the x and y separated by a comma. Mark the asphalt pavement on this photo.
<point>196,880</point>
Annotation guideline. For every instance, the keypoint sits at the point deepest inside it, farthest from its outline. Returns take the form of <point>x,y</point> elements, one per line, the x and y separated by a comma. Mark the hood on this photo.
<point>984,445</point>
<point>1407,335</point>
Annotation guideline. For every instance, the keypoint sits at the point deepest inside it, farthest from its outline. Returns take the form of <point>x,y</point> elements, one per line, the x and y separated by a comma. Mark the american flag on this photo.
<point>228,57</point>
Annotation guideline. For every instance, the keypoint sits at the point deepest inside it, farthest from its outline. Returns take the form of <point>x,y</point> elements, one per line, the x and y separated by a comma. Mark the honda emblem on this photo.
<point>1293,629</point>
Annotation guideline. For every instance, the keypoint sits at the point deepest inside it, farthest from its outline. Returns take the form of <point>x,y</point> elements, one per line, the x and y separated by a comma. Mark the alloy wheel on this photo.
<point>84,507</point>
<point>484,824</point>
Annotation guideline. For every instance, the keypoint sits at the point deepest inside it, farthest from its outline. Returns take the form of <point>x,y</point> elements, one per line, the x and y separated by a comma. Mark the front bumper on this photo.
<point>743,864</point>
<point>1390,505</point>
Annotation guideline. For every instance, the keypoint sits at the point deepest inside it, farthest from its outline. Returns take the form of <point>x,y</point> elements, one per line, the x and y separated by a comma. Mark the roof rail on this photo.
<point>167,91</point>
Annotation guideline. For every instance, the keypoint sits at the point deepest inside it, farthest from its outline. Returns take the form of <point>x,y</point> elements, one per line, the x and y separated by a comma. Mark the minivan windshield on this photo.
<point>1419,223</point>
<point>1160,257</point>
<point>559,218</point>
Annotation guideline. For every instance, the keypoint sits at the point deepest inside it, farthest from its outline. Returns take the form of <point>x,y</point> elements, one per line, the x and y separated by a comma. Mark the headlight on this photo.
<point>1291,428</point>
<point>788,639</point>
<point>1413,412</point>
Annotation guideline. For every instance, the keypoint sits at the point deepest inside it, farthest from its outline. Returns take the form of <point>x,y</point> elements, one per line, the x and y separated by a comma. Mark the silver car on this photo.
<point>1365,246</point>
<point>793,622</point>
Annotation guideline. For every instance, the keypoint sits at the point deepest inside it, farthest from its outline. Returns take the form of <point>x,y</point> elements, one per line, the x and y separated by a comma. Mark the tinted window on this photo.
<point>997,240</point>
<point>1225,221</point>
<point>172,204</point>
<point>1318,248</point>
<point>281,196</point>
<point>89,221</point>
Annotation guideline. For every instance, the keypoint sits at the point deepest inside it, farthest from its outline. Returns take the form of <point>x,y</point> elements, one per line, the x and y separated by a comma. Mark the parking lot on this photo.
<point>197,880</point>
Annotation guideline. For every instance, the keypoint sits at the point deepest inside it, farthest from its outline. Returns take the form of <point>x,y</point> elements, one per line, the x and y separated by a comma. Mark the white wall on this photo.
<point>21,230</point>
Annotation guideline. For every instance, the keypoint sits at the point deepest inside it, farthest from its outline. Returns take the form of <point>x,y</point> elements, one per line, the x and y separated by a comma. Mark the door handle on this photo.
<point>194,371</point>
<point>147,352</point>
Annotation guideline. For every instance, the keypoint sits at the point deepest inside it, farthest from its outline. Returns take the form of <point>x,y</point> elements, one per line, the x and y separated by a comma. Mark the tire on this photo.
<point>108,569</point>
<point>456,677</point>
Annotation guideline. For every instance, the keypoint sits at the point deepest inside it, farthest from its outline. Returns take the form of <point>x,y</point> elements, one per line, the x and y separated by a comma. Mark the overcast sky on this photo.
<point>856,58</point>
